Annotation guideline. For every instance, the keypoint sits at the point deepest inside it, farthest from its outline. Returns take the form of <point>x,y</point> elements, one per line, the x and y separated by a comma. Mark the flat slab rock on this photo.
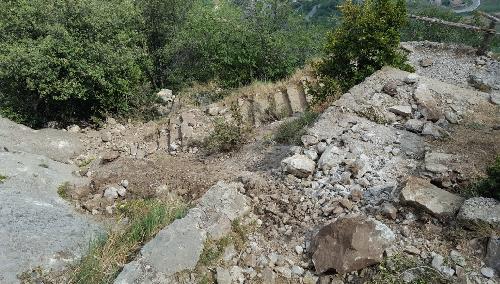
<point>55,144</point>
<point>480,210</point>
<point>421,193</point>
<point>37,227</point>
<point>178,246</point>
<point>350,244</point>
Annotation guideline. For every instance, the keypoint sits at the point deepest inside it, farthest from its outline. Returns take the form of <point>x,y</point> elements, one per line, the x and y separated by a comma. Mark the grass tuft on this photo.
<point>108,254</point>
<point>63,190</point>
<point>290,131</point>
<point>2,178</point>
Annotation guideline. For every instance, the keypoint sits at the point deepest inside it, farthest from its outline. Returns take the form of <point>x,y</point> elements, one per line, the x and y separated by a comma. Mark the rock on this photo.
<point>309,140</point>
<point>166,96</point>
<point>487,272</point>
<point>350,244</point>
<point>223,276</point>
<point>414,125</point>
<point>178,246</point>
<point>389,211</point>
<point>124,183</point>
<point>330,158</point>
<point>284,271</point>
<point>299,249</point>
<point>427,103</point>
<point>268,276</point>
<point>309,278</point>
<point>423,194</point>
<point>457,258</point>
<point>390,88</point>
<point>73,128</point>
<point>412,250</point>
<point>110,156</point>
<point>311,154</point>
<point>401,110</point>
<point>492,258</point>
<point>436,162</point>
<point>321,147</point>
<point>297,270</point>
<point>430,129</point>
<point>437,262</point>
<point>299,165</point>
<point>480,211</point>
<point>411,78</point>
<point>451,117</point>
<point>122,191</point>
<point>426,62</point>
<point>213,109</point>
<point>111,192</point>
<point>495,99</point>
<point>106,136</point>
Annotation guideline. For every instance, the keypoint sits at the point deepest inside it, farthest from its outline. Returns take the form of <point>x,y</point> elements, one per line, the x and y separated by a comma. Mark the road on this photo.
<point>475,4</point>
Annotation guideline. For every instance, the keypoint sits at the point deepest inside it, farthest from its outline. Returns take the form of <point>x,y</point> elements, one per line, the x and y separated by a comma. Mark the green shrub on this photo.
<point>291,131</point>
<point>230,47</point>
<point>367,39</point>
<point>226,137</point>
<point>2,178</point>
<point>68,60</point>
<point>488,186</point>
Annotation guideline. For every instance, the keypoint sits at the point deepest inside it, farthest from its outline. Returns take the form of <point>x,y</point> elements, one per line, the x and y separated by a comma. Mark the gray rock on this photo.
<point>426,62</point>
<point>488,272</point>
<point>411,78</point>
<point>414,125</point>
<point>321,147</point>
<point>436,162</point>
<point>223,276</point>
<point>106,136</point>
<point>437,262</point>
<point>297,270</point>
<point>166,96</point>
<point>350,244</point>
<point>299,165</point>
<point>309,140</point>
<point>111,192</point>
<point>330,158</point>
<point>311,154</point>
<point>55,144</point>
<point>178,246</point>
<point>268,276</point>
<point>421,193</point>
<point>457,258</point>
<point>401,110</point>
<point>389,211</point>
<point>495,99</point>
<point>493,253</point>
<point>480,211</point>
<point>37,227</point>
<point>427,103</point>
<point>431,129</point>
<point>390,88</point>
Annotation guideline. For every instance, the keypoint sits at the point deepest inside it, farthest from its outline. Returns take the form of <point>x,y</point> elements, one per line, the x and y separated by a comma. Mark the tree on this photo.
<point>367,39</point>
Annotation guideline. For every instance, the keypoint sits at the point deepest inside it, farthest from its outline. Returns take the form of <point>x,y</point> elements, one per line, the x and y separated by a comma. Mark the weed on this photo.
<point>392,270</point>
<point>227,136</point>
<point>373,114</point>
<point>290,131</point>
<point>488,186</point>
<point>107,254</point>
<point>85,162</point>
<point>2,178</point>
<point>63,190</point>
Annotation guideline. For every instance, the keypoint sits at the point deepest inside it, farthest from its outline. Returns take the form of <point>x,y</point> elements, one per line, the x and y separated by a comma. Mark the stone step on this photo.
<point>297,98</point>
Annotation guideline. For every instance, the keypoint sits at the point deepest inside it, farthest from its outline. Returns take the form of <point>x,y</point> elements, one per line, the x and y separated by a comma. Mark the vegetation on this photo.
<point>366,40</point>
<point>392,271</point>
<point>109,253</point>
<point>290,131</point>
<point>227,136</point>
<point>63,190</point>
<point>2,178</point>
<point>73,60</point>
<point>488,186</point>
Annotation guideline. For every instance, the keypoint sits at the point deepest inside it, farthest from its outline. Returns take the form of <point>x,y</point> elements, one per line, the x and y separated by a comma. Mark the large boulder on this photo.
<point>350,244</point>
<point>299,165</point>
<point>421,193</point>
<point>493,253</point>
<point>480,211</point>
<point>427,103</point>
<point>331,158</point>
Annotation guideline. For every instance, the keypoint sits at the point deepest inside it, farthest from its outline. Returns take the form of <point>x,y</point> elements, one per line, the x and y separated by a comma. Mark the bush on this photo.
<point>69,60</point>
<point>225,45</point>
<point>291,131</point>
<point>367,39</point>
<point>227,135</point>
<point>488,186</point>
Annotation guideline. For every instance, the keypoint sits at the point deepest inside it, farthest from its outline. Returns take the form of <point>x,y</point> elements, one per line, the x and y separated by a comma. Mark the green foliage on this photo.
<point>63,190</point>
<point>222,43</point>
<point>391,270</point>
<point>68,60</point>
<point>2,178</point>
<point>227,136</point>
<point>488,186</point>
<point>366,40</point>
<point>290,131</point>
<point>108,253</point>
